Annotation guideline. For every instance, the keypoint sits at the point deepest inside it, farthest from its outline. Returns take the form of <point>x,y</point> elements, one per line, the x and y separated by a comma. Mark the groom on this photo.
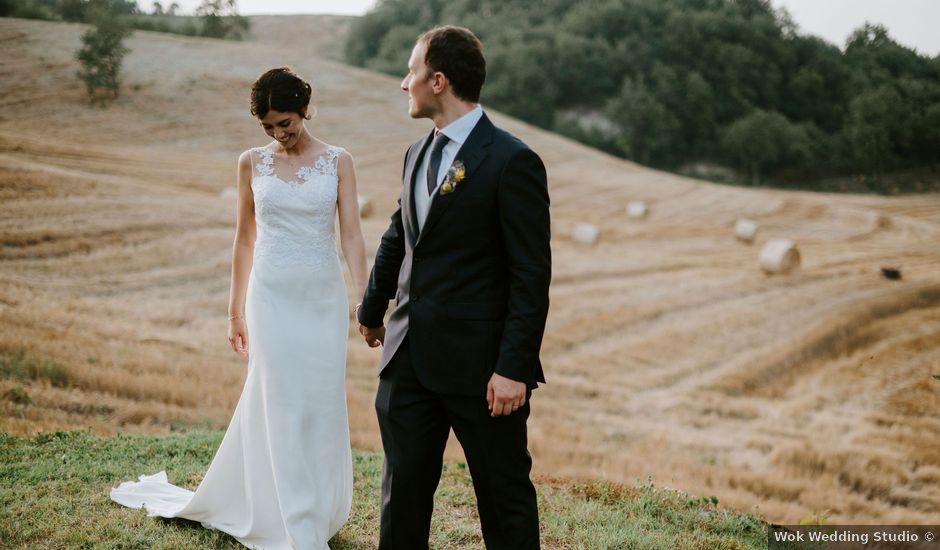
<point>467,260</point>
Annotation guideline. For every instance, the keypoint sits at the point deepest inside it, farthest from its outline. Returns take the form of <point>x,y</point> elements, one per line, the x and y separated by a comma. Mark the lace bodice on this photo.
<point>295,217</point>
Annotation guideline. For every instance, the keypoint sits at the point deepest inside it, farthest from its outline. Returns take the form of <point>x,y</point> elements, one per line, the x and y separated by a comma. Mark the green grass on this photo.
<point>18,365</point>
<point>54,494</point>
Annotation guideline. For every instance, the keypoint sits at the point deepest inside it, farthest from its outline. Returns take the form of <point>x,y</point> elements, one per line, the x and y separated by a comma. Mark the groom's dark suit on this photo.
<point>471,299</point>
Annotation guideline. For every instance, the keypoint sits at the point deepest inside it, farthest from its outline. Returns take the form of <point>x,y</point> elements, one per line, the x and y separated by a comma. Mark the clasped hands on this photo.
<point>503,395</point>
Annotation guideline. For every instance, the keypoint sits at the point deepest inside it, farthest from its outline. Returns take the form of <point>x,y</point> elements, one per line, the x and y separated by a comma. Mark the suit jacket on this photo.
<point>471,290</point>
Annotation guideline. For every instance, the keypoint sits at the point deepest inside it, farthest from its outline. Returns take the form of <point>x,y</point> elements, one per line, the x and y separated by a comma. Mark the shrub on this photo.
<point>103,51</point>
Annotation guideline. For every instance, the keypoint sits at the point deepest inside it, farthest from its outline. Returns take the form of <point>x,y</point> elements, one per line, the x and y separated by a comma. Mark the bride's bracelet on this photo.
<point>233,317</point>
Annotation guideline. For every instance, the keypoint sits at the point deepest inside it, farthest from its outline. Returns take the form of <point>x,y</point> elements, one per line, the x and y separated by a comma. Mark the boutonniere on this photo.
<point>455,174</point>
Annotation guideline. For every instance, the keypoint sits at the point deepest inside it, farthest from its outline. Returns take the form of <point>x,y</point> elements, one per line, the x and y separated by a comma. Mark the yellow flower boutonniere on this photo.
<point>455,174</point>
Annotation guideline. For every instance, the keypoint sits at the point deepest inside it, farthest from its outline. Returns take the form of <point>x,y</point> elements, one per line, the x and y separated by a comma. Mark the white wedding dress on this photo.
<point>282,476</point>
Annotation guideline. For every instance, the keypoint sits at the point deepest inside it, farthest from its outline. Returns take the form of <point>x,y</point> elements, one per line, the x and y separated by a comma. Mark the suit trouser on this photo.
<point>415,423</point>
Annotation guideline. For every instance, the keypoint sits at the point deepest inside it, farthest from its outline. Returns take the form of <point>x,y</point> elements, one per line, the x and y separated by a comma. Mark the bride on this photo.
<point>282,476</point>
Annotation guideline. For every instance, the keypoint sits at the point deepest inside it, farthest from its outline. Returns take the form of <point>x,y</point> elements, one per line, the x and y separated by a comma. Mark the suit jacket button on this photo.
<point>415,298</point>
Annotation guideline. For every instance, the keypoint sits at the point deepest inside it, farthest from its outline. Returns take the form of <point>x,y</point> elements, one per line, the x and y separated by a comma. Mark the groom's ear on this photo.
<point>439,82</point>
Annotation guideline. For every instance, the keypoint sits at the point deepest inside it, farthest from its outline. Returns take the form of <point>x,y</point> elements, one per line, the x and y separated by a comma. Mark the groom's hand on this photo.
<point>375,337</point>
<point>504,395</point>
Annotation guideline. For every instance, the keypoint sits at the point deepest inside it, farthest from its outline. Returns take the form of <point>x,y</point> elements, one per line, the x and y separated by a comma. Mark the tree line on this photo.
<point>213,18</point>
<point>673,83</point>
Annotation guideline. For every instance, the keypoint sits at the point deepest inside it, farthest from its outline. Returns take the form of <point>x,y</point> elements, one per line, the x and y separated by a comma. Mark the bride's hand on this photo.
<point>238,336</point>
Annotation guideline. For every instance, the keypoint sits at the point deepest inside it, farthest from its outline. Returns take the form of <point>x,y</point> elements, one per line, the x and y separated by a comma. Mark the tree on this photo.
<point>122,7</point>
<point>102,50</point>
<point>817,87</point>
<point>220,19</point>
<point>931,137</point>
<point>765,139</point>
<point>871,131</point>
<point>73,10</point>
<point>647,127</point>
<point>395,49</point>
<point>525,88</point>
<point>583,72</point>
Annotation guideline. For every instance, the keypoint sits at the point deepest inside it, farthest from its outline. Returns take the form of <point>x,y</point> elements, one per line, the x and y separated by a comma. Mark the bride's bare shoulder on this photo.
<point>244,159</point>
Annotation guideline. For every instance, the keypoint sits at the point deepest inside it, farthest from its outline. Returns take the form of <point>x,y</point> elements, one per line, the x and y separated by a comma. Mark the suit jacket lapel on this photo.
<point>471,153</point>
<point>409,183</point>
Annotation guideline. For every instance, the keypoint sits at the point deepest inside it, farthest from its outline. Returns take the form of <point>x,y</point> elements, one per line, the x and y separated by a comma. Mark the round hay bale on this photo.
<point>637,210</point>
<point>365,207</point>
<point>745,230</point>
<point>779,256</point>
<point>585,233</point>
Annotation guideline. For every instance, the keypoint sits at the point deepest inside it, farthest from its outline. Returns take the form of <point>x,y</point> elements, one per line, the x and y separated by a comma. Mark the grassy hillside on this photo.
<point>54,494</point>
<point>321,35</point>
<point>669,355</point>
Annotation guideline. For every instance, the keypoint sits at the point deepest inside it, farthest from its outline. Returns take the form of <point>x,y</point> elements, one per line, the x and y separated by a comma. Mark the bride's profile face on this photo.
<point>283,127</point>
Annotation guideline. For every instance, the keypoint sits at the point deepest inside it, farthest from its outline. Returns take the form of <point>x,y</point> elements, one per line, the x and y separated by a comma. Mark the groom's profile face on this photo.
<point>418,84</point>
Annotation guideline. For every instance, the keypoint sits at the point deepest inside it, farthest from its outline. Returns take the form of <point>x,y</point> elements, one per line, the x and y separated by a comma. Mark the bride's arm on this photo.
<point>351,239</point>
<point>242,251</point>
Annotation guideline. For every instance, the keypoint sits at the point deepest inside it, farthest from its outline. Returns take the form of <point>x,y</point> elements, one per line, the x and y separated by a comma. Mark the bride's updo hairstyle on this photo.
<point>280,90</point>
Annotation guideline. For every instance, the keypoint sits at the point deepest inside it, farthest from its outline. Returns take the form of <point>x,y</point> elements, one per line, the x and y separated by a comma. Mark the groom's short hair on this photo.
<point>458,53</point>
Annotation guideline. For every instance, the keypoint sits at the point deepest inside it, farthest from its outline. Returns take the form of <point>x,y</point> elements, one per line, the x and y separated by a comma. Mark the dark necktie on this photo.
<point>437,148</point>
